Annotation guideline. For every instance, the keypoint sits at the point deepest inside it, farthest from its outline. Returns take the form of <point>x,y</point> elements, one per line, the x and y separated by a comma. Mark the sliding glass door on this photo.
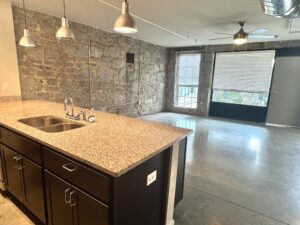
<point>241,85</point>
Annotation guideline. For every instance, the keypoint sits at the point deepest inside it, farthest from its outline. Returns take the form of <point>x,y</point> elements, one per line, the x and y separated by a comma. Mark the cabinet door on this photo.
<point>88,210</point>
<point>180,171</point>
<point>33,188</point>
<point>13,172</point>
<point>59,209</point>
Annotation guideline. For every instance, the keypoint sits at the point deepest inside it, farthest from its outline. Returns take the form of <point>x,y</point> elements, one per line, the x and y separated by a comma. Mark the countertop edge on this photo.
<point>94,166</point>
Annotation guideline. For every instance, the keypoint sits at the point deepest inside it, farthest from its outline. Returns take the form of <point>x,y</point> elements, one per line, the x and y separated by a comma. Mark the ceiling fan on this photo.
<point>241,37</point>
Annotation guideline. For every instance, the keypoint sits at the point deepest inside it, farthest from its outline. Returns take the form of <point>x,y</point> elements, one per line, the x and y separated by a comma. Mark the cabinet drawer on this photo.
<point>22,145</point>
<point>90,181</point>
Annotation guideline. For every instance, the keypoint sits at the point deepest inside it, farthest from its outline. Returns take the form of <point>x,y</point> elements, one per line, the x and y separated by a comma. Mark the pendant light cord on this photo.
<point>64,8</point>
<point>24,10</point>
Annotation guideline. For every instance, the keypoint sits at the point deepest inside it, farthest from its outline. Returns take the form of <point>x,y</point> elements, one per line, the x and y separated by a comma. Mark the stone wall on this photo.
<point>206,71</point>
<point>92,69</point>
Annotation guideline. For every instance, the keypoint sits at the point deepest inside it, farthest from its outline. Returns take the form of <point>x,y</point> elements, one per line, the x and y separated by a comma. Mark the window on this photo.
<point>243,77</point>
<point>187,80</point>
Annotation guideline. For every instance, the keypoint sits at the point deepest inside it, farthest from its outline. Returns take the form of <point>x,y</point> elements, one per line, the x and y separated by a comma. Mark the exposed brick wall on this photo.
<point>92,69</point>
<point>206,71</point>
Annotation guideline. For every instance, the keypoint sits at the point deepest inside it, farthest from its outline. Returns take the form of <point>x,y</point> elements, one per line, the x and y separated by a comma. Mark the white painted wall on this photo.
<point>284,105</point>
<point>9,73</point>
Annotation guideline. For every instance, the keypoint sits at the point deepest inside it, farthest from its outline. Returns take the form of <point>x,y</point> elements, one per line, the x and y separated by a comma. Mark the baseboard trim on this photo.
<point>281,125</point>
<point>10,98</point>
<point>171,222</point>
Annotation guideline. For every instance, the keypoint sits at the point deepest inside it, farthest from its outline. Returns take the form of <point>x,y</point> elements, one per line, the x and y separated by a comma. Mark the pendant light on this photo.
<point>125,23</point>
<point>26,40</point>
<point>65,32</point>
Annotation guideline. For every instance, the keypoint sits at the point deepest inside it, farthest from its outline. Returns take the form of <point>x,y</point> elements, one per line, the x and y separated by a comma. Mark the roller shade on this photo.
<point>244,71</point>
<point>188,68</point>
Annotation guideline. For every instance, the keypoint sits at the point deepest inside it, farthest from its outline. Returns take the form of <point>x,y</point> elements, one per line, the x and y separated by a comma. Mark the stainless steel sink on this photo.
<point>41,121</point>
<point>61,127</point>
<point>51,124</point>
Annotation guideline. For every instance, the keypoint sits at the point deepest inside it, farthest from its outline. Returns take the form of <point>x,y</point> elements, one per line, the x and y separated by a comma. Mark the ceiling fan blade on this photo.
<point>263,36</point>
<point>224,33</point>
<point>222,38</point>
<point>259,31</point>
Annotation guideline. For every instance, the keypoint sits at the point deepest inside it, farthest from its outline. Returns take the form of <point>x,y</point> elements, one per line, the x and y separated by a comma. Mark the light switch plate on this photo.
<point>5,86</point>
<point>151,177</point>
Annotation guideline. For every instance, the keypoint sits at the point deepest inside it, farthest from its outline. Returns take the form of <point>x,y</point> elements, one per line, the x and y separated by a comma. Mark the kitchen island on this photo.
<point>117,171</point>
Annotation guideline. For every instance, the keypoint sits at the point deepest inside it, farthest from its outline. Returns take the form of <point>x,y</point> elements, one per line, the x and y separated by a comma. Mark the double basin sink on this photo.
<point>51,124</point>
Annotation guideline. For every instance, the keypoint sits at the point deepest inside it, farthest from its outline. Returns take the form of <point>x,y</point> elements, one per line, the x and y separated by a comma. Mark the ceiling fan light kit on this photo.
<point>65,32</point>
<point>26,40</point>
<point>239,40</point>
<point>242,37</point>
<point>125,22</point>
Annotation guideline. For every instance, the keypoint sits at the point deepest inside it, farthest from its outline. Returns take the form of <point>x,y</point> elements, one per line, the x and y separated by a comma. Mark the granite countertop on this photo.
<point>114,144</point>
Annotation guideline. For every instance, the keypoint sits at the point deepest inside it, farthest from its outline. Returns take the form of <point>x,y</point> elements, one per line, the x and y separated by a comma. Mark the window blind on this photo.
<point>244,71</point>
<point>188,68</point>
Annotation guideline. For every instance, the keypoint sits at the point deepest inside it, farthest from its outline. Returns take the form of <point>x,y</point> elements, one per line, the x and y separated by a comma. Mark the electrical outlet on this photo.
<point>151,177</point>
<point>5,86</point>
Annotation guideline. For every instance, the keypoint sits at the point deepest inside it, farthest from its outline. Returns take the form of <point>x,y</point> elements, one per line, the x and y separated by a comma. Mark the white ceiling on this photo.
<point>195,19</point>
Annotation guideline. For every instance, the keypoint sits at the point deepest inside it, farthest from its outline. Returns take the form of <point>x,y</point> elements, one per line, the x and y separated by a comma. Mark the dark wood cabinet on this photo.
<point>24,181</point>
<point>137,203</point>
<point>33,190</point>
<point>60,190</point>
<point>13,172</point>
<point>88,180</point>
<point>59,210</point>
<point>180,171</point>
<point>22,145</point>
<point>68,205</point>
<point>88,210</point>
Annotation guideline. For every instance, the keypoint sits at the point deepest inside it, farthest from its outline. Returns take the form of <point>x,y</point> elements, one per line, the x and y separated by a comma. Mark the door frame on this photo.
<point>283,52</point>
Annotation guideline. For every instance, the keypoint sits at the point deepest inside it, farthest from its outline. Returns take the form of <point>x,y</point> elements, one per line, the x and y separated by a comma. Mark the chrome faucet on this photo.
<point>66,107</point>
<point>78,117</point>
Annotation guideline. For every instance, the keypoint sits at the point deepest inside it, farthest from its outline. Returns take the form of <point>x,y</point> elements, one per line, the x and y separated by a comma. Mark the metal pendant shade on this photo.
<point>65,32</point>
<point>125,23</point>
<point>26,40</point>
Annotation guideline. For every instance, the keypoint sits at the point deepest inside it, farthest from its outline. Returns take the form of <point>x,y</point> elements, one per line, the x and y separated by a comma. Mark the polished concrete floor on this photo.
<point>238,173</point>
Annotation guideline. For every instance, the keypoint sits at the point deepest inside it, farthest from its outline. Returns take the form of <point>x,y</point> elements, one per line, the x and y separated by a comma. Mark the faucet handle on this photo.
<point>92,119</point>
<point>83,114</point>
